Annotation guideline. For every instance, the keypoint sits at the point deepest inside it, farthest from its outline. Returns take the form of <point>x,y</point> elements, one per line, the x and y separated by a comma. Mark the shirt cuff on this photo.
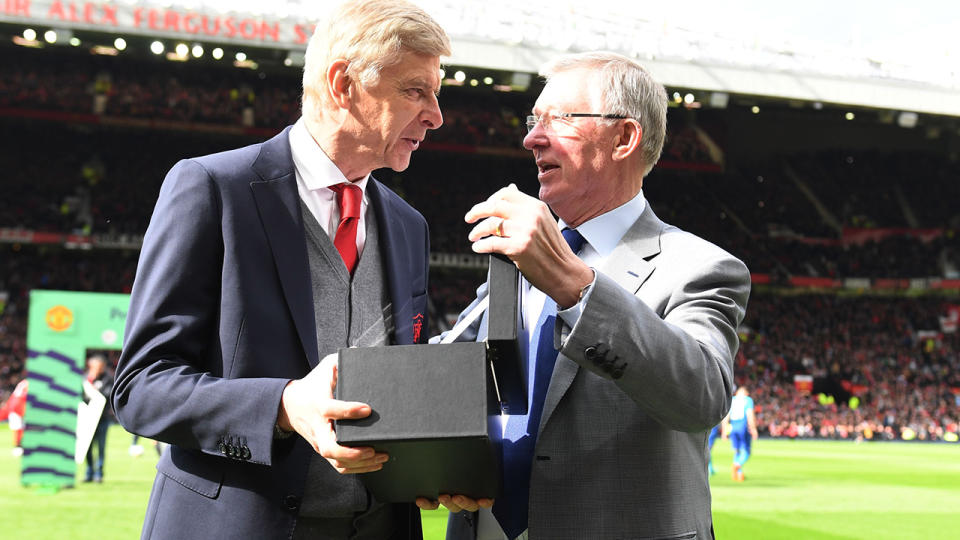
<point>572,314</point>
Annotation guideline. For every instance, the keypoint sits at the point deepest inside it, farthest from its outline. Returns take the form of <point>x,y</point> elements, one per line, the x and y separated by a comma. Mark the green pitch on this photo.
<point>794,490</point>
<point>827,489</point>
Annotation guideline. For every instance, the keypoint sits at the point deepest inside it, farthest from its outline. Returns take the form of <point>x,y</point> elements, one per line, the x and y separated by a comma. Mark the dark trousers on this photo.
<point>99,443</point>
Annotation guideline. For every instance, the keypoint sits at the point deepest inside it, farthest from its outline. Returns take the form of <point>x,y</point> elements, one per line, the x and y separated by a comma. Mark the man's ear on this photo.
<point>339,83</point>
<point>627,139</point>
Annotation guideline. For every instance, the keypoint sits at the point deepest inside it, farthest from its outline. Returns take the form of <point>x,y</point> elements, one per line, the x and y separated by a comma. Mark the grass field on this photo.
<point>794,490</point>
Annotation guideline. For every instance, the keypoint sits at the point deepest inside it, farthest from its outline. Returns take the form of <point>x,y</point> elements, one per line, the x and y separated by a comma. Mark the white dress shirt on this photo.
<point>602,234</point>
<point>315,174</point>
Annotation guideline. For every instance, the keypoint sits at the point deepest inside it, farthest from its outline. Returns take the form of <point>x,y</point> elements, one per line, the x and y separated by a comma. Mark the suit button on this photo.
<point>590,353</point>
<point>245,452</point>
<point>291,502</point>
<point>223,448</point>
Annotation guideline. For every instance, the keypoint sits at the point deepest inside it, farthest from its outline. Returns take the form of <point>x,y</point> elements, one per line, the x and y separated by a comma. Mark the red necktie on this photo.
<point>348,199</point>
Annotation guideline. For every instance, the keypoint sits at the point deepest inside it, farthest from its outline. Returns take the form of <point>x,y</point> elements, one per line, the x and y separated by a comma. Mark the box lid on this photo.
<point>415,391</point>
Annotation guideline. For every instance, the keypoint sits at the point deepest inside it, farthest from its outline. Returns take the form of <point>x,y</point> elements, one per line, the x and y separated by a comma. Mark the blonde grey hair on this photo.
<point>626,89</point>
<point>370,35</point>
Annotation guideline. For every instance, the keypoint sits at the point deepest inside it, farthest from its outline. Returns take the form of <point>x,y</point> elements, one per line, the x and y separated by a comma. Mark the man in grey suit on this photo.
<point>258,263</point>
<point>615,443</point>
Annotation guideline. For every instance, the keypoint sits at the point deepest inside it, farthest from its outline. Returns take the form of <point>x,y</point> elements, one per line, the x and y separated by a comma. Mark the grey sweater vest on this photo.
<point>348,313</point>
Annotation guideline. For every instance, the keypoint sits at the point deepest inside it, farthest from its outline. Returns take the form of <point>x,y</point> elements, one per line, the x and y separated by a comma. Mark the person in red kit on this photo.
<point>13,411</point>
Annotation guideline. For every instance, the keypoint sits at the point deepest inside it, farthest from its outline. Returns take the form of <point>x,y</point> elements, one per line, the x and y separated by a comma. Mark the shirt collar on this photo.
<point>605,231</point>
<point>316,169</point>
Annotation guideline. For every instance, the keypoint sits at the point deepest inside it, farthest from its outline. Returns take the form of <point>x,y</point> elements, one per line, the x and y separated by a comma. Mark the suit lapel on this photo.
<point>278,204</point>
<point>629,265</point>
<point>394,250</point>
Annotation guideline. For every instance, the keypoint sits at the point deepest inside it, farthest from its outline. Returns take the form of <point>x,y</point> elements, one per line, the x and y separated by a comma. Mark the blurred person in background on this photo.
<point>136,449</point>
<point>711,439</point>
<point>99,377</point>
<point>632,325</point>
<point>741,427</point>
<point>261,261</point>
<point>12,411</point>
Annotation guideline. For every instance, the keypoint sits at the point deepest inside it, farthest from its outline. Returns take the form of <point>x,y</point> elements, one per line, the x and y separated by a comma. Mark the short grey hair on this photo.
<point>370,35</point>
<point>626,89</point>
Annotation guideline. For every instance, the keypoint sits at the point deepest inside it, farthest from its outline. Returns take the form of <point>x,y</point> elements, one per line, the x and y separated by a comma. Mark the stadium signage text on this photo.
<point>182,23</point>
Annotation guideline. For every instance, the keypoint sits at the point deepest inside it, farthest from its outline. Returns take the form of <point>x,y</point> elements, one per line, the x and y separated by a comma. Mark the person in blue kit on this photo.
<point>741,426</point>
<point>712,438</point>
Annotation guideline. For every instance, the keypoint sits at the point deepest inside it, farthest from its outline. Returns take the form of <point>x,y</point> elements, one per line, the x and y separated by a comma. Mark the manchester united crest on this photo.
<point>59,318</point>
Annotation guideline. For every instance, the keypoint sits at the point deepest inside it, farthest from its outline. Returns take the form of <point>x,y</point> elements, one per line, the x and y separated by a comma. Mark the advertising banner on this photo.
<point>62,326</point>
<point>154,18</point>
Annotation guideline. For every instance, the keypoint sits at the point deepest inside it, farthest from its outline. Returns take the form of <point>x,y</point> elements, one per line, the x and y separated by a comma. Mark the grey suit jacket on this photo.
<point>639,382</point>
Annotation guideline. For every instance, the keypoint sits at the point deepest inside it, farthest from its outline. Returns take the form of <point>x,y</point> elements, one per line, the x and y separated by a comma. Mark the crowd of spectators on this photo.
<point>82,179</point>
<point>783,215</point>
<point>13,347</point>
<point>105,181</point>
<point>220,95</point>
<point>890,369</point>
<point>888,366</point>
<point>27,267</point>
<point>765,210</point>
<point>74,82</point>
<point>780,222</point>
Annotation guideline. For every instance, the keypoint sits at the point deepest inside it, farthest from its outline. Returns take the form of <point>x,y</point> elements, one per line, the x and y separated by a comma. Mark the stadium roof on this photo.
<point>882,53</point>
<point>879,53</point>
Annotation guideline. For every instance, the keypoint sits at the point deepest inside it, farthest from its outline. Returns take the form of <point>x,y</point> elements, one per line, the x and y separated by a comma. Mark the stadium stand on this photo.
<point>854,250</point>
<point>887,364</point>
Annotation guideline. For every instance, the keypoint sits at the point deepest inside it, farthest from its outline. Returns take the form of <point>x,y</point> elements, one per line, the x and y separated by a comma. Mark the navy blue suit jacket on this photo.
<point>221,318</point>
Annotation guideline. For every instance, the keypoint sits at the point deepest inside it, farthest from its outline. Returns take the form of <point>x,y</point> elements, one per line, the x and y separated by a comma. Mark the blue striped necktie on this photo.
<point>520,436</point>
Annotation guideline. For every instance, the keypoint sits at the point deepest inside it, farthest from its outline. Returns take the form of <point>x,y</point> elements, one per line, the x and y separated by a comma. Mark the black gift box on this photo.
<point>436,408</point>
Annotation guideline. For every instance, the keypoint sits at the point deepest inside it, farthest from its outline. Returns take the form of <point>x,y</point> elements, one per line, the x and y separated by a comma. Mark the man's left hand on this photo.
<point>308,407</point>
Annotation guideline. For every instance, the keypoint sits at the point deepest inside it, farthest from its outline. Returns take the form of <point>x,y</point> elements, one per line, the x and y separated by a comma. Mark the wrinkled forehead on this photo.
<point>574,90</point>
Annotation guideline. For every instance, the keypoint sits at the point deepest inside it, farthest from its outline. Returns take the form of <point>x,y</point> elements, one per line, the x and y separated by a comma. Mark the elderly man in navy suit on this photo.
<point>260,261</point>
